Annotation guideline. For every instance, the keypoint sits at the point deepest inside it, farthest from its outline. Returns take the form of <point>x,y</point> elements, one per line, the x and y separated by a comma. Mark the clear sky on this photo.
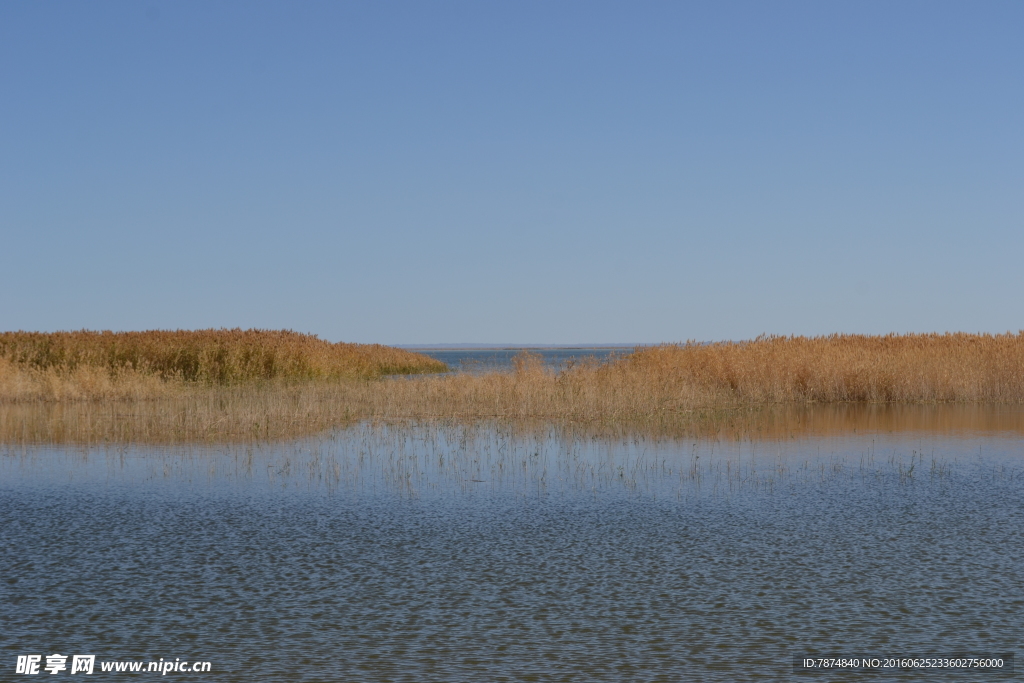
<point>514,172</point>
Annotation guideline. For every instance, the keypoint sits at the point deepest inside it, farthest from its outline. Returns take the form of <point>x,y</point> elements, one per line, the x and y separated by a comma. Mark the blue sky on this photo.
<point>518,172</point>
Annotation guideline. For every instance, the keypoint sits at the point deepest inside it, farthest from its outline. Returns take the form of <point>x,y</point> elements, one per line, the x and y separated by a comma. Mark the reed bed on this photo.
<point>158,363</point>
<point>669,389</point>
<point>667,381</point>
<point>909,368</point>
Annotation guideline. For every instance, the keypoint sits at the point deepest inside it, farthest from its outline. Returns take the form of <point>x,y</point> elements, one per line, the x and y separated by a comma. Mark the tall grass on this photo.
<point>665,381</point>
<point>663,389</point>
<point>842,368</point>
<point>131,364</point>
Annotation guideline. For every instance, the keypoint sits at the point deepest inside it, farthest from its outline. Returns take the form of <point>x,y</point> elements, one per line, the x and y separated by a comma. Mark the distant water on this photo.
<point>508,553</point>
<point>485,359</point>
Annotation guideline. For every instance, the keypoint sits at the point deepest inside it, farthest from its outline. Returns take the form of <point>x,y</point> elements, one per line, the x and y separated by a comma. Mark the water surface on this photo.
<point>490,359</point>
<point>503,552</point>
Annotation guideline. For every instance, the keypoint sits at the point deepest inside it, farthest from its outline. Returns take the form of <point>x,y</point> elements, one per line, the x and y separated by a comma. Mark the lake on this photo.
<point>498,552</point>
<point>495,358</point>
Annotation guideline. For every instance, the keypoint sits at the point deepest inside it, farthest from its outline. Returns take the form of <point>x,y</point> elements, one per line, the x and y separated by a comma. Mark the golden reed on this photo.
<point>87,365</point>
<point>664,389</point>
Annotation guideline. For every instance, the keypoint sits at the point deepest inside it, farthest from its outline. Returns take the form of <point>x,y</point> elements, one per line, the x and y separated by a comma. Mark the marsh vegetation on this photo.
<point>241,385</point>
<point>64,366</point>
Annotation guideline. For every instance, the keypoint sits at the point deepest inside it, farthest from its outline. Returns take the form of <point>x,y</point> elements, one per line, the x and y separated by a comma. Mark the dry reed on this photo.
<point>74,365</point>
<point>664,389</point>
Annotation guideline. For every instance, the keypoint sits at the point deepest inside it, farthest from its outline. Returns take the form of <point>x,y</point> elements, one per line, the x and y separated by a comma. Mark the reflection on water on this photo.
<point>940,419</point>
<point>181,422</point>
<point>437,460</point>
<point>517,552</point>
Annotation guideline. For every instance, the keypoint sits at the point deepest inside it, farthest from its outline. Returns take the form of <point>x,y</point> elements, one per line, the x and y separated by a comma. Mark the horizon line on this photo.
<point>456,346</point>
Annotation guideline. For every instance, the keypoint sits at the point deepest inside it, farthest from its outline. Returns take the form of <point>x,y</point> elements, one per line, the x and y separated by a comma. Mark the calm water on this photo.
<point>482,360</point>
<point>492,553</point>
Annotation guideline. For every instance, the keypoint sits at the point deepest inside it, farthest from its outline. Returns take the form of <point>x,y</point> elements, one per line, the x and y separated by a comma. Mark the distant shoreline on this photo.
<point>511,347</point>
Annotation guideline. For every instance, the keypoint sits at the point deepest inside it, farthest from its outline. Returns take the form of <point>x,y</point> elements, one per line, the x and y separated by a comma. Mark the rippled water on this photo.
<point>428,553</point>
